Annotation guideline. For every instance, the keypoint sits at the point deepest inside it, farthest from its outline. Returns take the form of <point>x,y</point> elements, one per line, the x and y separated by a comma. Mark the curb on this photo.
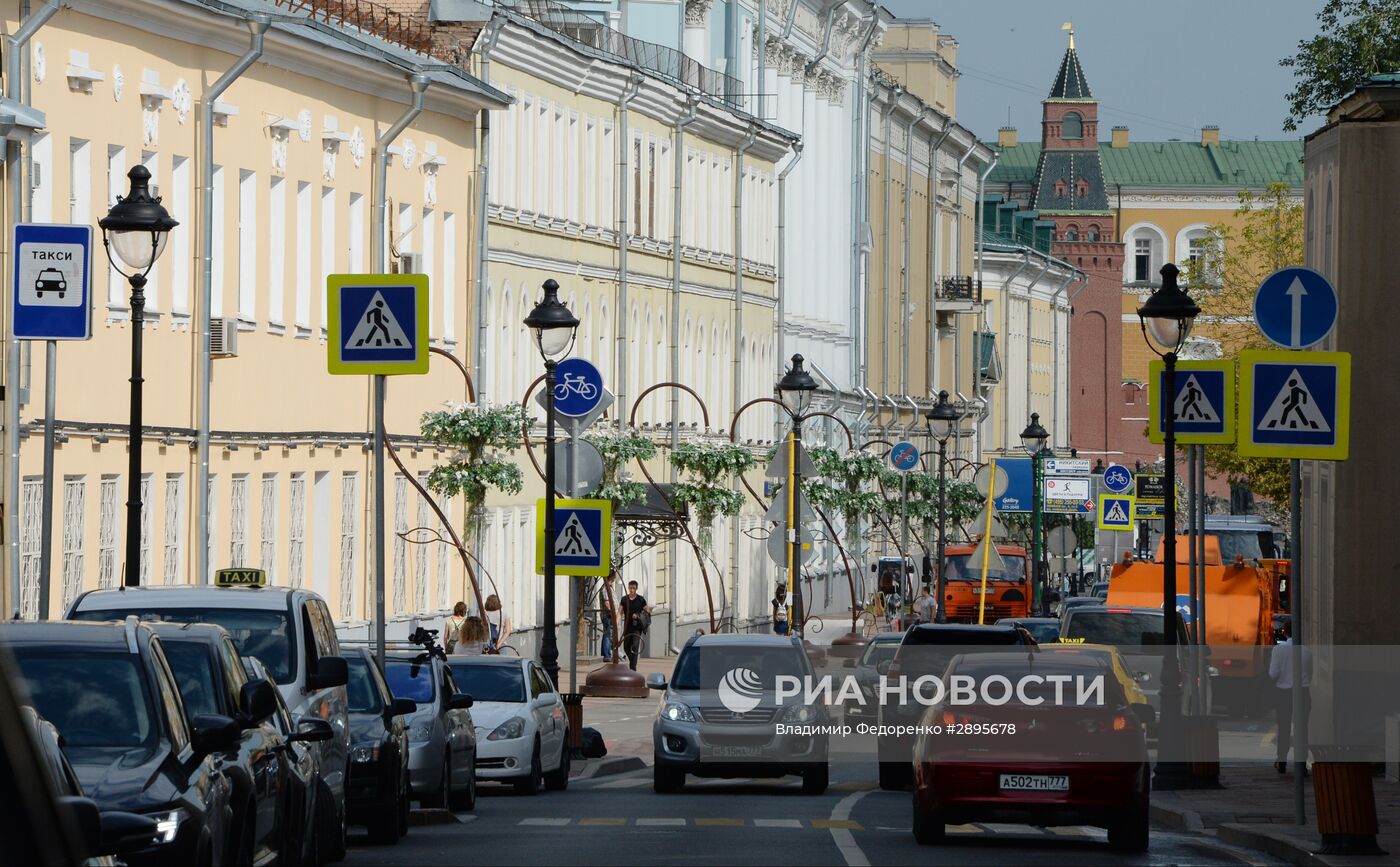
<point>430,816</point>
<point>612,767</point>
<point>1177,818</point>
<point>1293,853</point>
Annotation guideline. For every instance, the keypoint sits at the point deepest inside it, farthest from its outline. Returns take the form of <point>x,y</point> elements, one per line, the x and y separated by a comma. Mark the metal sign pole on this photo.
<point>46,517</point>
<point>380,383</point>
<point>1295,610</point>
<point>571,474</point>
<point>904,532</point>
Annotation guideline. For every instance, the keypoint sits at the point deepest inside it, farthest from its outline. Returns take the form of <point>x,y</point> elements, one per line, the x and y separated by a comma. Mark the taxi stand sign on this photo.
<point>1295,404</point>
<point>52,282</point>
<point>583,537</point>
<point>377,324</point>
<point>1204,402</point>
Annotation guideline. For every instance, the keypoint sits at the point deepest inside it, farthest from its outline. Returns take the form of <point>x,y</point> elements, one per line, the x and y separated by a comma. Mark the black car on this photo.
<point>926,650</point>
<point>211,679</point>
<point>880,648</point>
<point>379,789</point>
<point>1045,630</point>
<point>110,692</point>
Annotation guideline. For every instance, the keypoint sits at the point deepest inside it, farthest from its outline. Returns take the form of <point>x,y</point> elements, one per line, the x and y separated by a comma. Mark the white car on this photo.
<point>521,730</point>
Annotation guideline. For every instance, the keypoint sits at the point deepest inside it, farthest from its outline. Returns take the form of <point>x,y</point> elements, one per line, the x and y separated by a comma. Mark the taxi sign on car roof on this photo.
<point>240,578</point>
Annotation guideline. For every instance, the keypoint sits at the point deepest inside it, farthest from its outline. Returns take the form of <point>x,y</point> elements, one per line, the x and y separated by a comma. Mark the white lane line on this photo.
<point>777,823</point>
<point>844,839</point>
<point>547,821</point>
<point>659,823</point>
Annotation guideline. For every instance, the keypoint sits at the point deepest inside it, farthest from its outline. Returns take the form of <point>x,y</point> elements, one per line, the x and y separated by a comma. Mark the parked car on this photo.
<point>927,649</point>
<point>291,632</point>
<point>880,648</point>
<point>1045,630</point>
<point>1137,633</point>
<point>1100,590</point>
<point>441,737</point>
<point>379,750</point>
<point>698,732</point>
<point>110,692</point>
<point>521,729</point>
<point>1073,602</point>
<point>1065,763</point>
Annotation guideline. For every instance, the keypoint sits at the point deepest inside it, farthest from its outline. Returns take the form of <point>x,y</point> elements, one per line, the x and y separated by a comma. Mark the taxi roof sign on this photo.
<point>240,577</point>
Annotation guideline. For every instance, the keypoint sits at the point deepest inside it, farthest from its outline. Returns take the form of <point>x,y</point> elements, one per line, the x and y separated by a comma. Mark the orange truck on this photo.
<point>1008,591</point>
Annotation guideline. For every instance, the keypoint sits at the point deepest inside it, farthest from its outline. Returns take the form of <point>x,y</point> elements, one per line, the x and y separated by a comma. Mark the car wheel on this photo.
<point>666,781</point>
<point>440,798</point>
<point>814,780</point>
<point>1131,833</point>
<point>465,801</point>
<point>384,826</point>
<point>333,846</point>
<point>404,797</point>
<point>557,780</point>
<point>929,827</point>
<point>530,785</point>
<point>896,775</point>
<point>247,837</point>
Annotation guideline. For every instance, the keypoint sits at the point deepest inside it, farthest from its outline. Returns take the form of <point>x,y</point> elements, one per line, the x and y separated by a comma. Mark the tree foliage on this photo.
<point>617,451</point>
<point>1358,39</point>
<point>479,433</point>
<point>708,471</point>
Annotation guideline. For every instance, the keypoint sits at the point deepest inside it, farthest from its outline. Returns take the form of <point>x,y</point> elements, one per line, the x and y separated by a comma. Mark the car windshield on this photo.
<point>1239,543</point>
<point>265,634</point>
<point>362,696</point>
<point>1118,628</point>
<point>489,682</point>
<point>962,567</point>
<point>93,698</point>
<point>1043,631</point>
<point>877,652</point>
<point>409,679</point>
<point>702,667</point>
<point>194,674</point>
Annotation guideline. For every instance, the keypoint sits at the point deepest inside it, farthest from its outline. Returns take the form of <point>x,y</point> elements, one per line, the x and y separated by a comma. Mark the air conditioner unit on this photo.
<point>223,337</point>
<point>410,263</point>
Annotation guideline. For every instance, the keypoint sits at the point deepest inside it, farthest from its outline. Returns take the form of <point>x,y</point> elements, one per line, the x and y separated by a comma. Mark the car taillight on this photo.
<point>952,717</point>
<point>1100,725</point>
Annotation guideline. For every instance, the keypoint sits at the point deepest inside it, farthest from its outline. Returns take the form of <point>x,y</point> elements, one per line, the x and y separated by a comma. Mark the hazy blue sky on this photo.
<point>1162,69</point>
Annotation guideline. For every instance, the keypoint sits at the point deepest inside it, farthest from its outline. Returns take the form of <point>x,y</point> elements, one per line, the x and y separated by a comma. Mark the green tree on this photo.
<point>1358,39</point>
<point>707,471</point>
<point>480,434</point>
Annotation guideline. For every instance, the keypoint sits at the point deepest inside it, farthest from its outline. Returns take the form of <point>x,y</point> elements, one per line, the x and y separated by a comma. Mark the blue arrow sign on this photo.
<point>52,282</point>
<point>578,386</point>
<point>1117,478</point>
<point>904,456</point>
<point>1295,307</point>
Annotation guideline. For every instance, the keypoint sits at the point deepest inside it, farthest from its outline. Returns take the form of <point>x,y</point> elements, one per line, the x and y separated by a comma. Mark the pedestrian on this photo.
<point>925,605</point>
<point>500,628</point>
<point>607,607</point>
<point>453,627</point>
<point>636,614</point>
<point>472,639</point>
<point>1282,674</point>
<point>780,611</point>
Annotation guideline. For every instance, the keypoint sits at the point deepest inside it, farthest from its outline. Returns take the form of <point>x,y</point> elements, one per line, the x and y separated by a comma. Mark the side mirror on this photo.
<point>848,662</point>
<point>87,821</point>
<point>402,707</point>
<point>258,701</point>
<point>459,701</point>
<point>882,667</point>
<point>126,832</point>
<point>331,671</point>
<point>312,731</point>
<point>213,733</point>
<point>656,680</point>
<point>1146,713</point>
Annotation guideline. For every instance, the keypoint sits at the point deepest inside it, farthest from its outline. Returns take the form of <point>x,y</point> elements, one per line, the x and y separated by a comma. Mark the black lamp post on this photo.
<point>942,421</point>
<point>1166,322</point>
<point>795,391</point>
<point>136,228</point>
<point>1033,440</point>
<point>553,326</point>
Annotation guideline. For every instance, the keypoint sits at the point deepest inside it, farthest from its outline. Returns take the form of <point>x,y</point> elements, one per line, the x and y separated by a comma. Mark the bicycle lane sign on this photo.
<point>578,387</point>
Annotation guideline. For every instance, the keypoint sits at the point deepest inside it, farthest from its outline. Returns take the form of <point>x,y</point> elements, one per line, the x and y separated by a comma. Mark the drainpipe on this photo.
<point>787,25</point>
<point>1005,331</point>
<point>1055,354</point>
<point>860,204</point>
<point>483,236</point>
<point>782,245</point>
<point>1069,333</point>
<point>958,206</point>
<point>624,147</point>
<point>933,260</point>
<point>981,195</point>
<point>908,226</point>
<point>893,95</point>
<point>826,36</point>
<point>737,384</point>
<point>1030,290</point>
<point>762,39</point>
<point>677,190</point>
<point>19,194</point>
<point>204,302</point>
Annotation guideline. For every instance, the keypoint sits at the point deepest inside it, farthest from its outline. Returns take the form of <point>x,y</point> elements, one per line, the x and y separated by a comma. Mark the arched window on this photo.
<point>1073,126</point>
<point>1093,233</point>
<point>1061,189</point>
<point>1071,232</point>
<point>1082,189</point>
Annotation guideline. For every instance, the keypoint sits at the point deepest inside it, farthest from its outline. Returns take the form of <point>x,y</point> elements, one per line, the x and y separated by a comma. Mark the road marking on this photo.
<point>612,821</point>
<point>546,821</point>
<point>657,823</point>
<point>845,841</point>
<point>777,823</point>
<point>724,823</point>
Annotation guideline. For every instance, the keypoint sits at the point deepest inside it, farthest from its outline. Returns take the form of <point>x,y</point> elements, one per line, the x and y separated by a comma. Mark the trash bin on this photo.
<point>1203,745</point>
<point>1346,800</point>
<point>573,710</point>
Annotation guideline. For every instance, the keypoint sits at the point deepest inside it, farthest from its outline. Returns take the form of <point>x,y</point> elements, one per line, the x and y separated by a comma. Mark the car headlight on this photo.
<point>800,713</point>
<point>421,730</point>
<point>508,730</point>
<point>678,712</point>
<point>365,754</point>
<point>168,824</point>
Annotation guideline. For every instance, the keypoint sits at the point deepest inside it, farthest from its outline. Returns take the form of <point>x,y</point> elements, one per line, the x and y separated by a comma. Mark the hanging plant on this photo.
<point>709,470</point>
<point>618,450</point>
<point>479,434</point>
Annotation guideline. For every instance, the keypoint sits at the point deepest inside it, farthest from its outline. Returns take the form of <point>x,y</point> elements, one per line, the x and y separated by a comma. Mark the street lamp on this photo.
<point>1166,320</point>
<point>553,327</point>
<point>795,391</point>
<point>135,228</point>
<point>1033,440</point>
<point>942,422</point>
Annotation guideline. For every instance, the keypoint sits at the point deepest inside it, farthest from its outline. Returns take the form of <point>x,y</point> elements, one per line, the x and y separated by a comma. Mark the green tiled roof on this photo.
<point>1173,164</point>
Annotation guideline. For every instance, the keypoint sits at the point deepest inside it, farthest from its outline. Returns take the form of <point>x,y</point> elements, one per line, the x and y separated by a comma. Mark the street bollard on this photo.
<point>573,710</point>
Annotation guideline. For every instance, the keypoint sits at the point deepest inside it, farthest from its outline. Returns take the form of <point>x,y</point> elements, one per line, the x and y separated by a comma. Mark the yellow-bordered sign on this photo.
<point>1205,402</point>
<point>1295,404</point>
<point>1116,511</point>
<point>582,537</point>
<point>377,323</point>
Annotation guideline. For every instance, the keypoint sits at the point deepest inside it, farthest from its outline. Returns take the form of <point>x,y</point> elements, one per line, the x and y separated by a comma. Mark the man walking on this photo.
<point>636,619</point>
<point>1282,674</point>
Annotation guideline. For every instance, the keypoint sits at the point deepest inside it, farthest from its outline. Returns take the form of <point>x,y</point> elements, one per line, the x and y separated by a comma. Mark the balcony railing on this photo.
<point>373,18</point>
<point>965,289</point>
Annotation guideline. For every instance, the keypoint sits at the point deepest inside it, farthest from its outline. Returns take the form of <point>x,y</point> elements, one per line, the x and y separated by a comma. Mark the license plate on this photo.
<point>736,752</point>
<point>978,591</point>
<point>1034,783</point>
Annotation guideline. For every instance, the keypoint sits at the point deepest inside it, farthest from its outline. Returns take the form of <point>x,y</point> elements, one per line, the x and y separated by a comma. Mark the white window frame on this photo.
<point>276,253</point>
<point>267,522</point>
<point>174,527</point>
<point>108,531</point>
<point>349,540</point>
<point>449,285</point>
<point>148,517</point>
<point>238,520</point>
<point>296,530</point>
<point>400,544</point>
<point>30,553</point>
<point>218,252</point>
<point>74,536</point>
<point>328,265</point>
<point>116,186</point>
<point>180,203</point>
<point>302,244</point>
<point>247,247</point>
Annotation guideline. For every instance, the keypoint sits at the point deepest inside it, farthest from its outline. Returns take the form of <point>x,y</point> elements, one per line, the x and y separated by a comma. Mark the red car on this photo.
<point>1036,758</point>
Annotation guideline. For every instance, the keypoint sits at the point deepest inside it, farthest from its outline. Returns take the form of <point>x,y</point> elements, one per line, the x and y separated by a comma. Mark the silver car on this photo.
<point>441,735</point>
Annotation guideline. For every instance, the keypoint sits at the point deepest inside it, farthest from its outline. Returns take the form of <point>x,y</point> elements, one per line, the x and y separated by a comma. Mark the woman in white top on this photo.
<point>472,639</point>
<point>453,627</point>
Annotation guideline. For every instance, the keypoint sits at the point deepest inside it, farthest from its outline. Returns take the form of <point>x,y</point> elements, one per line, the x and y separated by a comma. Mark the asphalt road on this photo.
<point>618,819</point>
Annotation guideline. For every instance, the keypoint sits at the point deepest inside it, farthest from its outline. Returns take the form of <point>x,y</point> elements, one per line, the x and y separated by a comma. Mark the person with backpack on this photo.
<point>780,610</point>
<point>453,627</point>
<point>636,618</point>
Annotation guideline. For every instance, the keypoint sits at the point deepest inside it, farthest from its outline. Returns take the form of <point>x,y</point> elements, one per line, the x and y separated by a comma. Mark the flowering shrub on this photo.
<point>479,433</point>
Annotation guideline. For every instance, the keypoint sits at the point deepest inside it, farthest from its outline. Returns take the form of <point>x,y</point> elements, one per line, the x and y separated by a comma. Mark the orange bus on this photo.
<point>1008,591</point>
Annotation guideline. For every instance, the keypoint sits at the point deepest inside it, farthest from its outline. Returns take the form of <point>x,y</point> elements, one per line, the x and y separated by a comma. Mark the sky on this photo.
<point>1163,69</point>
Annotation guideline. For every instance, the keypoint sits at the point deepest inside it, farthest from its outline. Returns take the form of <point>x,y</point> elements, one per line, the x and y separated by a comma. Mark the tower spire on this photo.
<point>1069,25</point>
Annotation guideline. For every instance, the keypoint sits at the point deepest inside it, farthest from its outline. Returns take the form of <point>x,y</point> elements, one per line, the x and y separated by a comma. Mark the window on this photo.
<point>238,521</point>
<point>276,252</point>
<point>1142,259</point>
<point>247,246</point>
<point>116,186</point>
<point>651,189</point>
<point>74,533</point>
<point>636,186</point>
<point>1073,126</point>
<point>327,247</point>
<point>109,518</point>
<point>174,527</point>
<point>357,233</point>
<point>296,531</point>
<point>31,511</point>
<point>216,252</point>
<point>148,513</point>
<point>151,161</point>
<point>444,561</point>
<point>429,259</point>
<point>422,553</point>
<point>449,278</point>
<point>268,552</point>
<point>180,203</point>
<point>80,182</point>
<point>349,540</point>
<point>400,543</point>
<point>41,181</point>
<point>302,241</point>
<point>1061,188</point>
<point>1093,233</point>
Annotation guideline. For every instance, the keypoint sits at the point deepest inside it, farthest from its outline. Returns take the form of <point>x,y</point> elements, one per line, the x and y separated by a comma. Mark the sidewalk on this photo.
<point>625,723</point>
<point>1255,809</point>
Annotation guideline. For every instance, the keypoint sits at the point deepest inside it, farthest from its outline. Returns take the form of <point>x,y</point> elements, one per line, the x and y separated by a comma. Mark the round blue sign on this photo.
<point>1117,478</point>
<point>1183,607</point>
<point>904,456</point>
<point>578,387</point>
<point>1295,307</point>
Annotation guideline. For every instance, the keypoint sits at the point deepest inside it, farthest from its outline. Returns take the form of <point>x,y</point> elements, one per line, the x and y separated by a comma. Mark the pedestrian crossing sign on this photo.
<point>1204,402</point>
<point>1295,404</point>
<point>1115,512</point>
<point>582,537</point>
<point>377,323</point>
